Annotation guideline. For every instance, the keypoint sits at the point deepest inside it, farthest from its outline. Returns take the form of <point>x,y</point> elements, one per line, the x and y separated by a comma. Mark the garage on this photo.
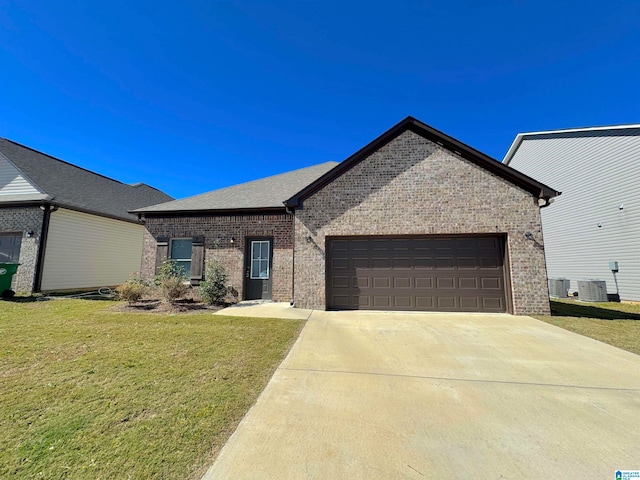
<point>422,273</point>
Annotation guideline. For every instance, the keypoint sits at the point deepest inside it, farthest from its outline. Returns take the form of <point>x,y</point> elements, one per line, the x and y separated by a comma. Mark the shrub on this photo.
<point>133,289</point>
<point>171,280</point>
<point>213,289</point>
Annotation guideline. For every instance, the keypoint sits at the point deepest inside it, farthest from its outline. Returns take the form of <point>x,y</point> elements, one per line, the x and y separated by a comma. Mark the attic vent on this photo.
<point>558,287</point>
<point>592,290</point>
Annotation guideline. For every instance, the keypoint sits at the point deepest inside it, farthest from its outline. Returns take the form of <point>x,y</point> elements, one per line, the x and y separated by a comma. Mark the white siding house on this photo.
<point>67,227</point>
<point>597,218</point>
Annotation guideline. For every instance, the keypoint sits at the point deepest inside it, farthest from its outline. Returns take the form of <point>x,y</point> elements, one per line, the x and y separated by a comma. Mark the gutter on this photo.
<point>44,233</point>
<point>292,212</point>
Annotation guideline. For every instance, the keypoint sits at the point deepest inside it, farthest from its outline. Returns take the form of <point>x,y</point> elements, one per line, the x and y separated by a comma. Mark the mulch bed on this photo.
<point>155,305</point>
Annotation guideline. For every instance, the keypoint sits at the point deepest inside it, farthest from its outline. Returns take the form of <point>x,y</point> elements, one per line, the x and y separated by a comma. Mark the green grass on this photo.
<point>90,393</point>
<point>617,324</point>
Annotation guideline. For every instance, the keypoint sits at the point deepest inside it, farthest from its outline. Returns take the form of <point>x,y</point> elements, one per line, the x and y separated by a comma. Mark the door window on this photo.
<point>260,260</point>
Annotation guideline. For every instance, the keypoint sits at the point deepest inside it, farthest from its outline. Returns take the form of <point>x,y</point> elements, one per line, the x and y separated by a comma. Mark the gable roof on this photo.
<point>69,186</point>
<point>603,131</point>
<point>263,194</point>
<point>465,151</point>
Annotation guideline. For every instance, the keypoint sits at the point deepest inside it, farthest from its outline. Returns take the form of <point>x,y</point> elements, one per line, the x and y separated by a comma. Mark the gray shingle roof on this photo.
<point>270,192</point>
<point>74,187</point>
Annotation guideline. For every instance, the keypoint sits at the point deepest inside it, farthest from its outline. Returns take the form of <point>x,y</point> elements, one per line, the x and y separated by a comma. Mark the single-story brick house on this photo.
<point>68,227</point>
<point>415,220</point>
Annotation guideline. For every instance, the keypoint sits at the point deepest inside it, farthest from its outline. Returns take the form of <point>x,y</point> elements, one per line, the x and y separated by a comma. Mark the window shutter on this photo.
<point>197,258</point>
<point>162,251</point>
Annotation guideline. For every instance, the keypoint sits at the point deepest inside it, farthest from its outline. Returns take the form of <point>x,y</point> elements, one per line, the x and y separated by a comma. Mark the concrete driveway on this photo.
<point>415,396</point>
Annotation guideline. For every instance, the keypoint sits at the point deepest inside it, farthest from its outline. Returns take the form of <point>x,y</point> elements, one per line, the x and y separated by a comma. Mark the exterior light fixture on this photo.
<point>232,240</point>
<point>528,235</point>
<point>29,234</point>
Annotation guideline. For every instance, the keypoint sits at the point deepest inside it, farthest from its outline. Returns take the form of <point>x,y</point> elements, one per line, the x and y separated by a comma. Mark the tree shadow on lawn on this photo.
<point>562,309</point>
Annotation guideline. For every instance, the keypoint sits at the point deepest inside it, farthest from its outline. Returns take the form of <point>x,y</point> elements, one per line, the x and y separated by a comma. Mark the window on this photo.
<point>181,252</point>
<point>10,247</point>
<point>260,260</point>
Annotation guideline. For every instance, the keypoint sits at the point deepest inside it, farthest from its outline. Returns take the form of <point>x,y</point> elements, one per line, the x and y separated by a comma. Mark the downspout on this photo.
<point>291,212</point>
<point>44,233</point>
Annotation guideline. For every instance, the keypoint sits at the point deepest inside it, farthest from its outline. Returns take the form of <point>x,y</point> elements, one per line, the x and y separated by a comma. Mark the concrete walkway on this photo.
<point>264,309</point>
<point>415,396</point>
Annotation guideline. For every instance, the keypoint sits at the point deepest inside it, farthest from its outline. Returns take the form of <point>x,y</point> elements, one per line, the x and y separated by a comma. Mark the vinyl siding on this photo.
<point>12,182</point>
<point>597,172</point>
<point>87,251</point>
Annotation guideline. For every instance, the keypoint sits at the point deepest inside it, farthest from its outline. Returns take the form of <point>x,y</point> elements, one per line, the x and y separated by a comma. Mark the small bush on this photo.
<point>213,289</point>
<point>171,281</point>
<point>169,269</point>
<point>133,289</point>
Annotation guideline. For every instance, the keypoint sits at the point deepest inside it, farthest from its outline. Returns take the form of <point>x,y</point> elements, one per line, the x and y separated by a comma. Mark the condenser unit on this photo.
<point>558,287</point>
<point>592,290</point>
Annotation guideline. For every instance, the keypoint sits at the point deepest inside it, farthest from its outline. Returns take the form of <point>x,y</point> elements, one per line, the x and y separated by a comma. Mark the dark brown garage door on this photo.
<point>416,273</point>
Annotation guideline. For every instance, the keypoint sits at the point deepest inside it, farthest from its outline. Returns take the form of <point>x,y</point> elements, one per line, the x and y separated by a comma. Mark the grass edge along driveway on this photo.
<point>89,393</point>
<point>617,324</point>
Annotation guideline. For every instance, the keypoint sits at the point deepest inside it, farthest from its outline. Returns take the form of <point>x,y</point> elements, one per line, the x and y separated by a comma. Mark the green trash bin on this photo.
<point>7,270</point>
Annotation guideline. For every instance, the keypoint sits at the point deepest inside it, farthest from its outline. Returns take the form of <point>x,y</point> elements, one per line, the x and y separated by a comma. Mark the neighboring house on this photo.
<point>597,219</point>
<point>69,228</point>
<point>415,220</point>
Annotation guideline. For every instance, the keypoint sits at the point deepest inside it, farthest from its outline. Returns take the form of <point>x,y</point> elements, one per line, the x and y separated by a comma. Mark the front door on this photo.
<point>257,267</point>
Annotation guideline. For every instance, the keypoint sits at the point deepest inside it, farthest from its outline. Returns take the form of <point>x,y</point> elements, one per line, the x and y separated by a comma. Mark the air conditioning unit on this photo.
<point>558,287</point>
<point>592,290</point>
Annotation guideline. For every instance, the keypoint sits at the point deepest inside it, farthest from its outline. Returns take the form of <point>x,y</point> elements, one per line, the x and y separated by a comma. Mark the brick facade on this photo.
<point>413,186</point>
<point>22,220</point>
<point>218,231</point>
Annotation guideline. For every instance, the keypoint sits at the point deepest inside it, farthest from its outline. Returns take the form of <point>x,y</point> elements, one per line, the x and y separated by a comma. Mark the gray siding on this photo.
<point>597,172</point>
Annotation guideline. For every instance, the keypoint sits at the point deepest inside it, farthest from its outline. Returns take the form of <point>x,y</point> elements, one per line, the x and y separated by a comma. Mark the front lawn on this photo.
<point>90,393</point>
<point>617,324</point>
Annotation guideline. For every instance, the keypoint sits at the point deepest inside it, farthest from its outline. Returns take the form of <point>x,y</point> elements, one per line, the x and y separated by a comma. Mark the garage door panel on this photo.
<point>340,263</point>
<point>468,283</point>
<point>492,283</point>
<point>382,282</point>
<point>467,263</point>
<point>445,283</point>
<point>382,301</point>
<point>416,273</point>
<point>340,282</point>
<point>445,263</point>
<point>403,302</point>
<point>424,282</point>
<point>446,303</point>
<point>402,282</point>
<point>493,304</point>
<point>422,263</point>
<point>360,263</point>
<point>402,263</point>
<point>469,303</point>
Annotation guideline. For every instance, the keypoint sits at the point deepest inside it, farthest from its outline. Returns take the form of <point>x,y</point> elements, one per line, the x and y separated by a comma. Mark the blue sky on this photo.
<point>193,96</point>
